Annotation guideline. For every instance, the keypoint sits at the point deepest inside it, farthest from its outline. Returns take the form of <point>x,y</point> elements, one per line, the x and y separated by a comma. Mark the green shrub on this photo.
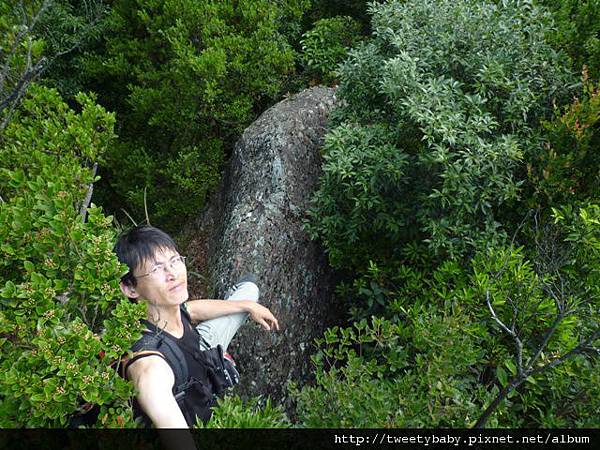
<point>370,375</point>
<point>577,31</point>
<point>185,78</point>
<point>62,321</point>
<point>326,45</point>
<point>459,88</point>
<point>413,368</point>
<point>565,169</point>
<point>362,215</point>
<point>437,357</point>
<point>69,29</point>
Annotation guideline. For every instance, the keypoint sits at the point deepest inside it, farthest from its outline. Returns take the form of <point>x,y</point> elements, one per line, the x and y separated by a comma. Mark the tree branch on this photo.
<point>513,384</point>
<point>509,331</point>
<point>551,259</point>
<point>521,377</point>
<point>544,342</point>
<point>19,90</point>
<point>523,374</point>
<point>582,347</point>
<point>29,73</point>
<point>11,96</point>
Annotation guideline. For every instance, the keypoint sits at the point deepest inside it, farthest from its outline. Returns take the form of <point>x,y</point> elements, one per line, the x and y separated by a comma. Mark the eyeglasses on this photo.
<point>176,262</point>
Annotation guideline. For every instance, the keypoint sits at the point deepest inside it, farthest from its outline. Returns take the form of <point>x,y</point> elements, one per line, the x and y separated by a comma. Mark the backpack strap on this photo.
<point>185,314</point>
<point>155,342</point>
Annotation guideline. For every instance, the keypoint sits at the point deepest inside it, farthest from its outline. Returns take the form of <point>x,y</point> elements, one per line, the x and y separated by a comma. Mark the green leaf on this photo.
<point>510,365</point>
<point>502,376</point>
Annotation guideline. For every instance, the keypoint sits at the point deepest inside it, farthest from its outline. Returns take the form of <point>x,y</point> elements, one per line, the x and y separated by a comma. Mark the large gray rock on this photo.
<point>254,223</point>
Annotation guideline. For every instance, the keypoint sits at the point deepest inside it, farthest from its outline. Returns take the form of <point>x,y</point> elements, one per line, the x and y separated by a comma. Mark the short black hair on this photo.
<point>137,245</point>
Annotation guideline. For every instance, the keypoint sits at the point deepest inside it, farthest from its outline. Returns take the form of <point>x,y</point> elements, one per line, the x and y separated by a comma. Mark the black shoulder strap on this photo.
<point>186,315</point>
<point>156,340</point>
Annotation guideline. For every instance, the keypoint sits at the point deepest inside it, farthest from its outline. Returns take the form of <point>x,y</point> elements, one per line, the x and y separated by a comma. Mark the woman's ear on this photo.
<point>128,290</point>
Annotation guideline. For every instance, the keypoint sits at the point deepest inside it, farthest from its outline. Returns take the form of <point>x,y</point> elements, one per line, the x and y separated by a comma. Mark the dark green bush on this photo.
<point>185,78</point>
<point>69,28</point>
<point>326,45</point>
<point>357,9</point>
<point>577,31</point>
<point>368,171</point>
<point>565,169</point>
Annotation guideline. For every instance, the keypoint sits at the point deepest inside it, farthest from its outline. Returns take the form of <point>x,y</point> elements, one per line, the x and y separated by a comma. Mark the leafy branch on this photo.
<point>567,302</point>
<point>526,370</point>
<point>16,76</point>
<point>11,96</point>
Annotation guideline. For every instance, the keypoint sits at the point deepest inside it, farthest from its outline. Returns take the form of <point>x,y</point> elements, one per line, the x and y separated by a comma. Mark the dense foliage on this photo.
<point>326,45</point>
<point>435,357</point>
<point>185,78</point>
<point>474,303</point>
<point>62,321</point>
<point>565,169</point>
<point>70,28</point>
<point>577,31</point>
<point>460,197</point>
<point>441,108</point>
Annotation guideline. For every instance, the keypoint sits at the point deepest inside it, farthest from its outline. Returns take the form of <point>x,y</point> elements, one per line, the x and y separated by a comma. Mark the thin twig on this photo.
<point>146,207</point>
<point>509,331</point>
<point>64,297</point>
<point>93,324</point>
<point>88,195</point>
<point>495,316</point>
<point>83,314</point>
<point>130,218</point>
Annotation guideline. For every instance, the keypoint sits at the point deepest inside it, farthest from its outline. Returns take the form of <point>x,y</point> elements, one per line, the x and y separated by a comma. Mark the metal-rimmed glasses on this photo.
<point>176,262</point>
